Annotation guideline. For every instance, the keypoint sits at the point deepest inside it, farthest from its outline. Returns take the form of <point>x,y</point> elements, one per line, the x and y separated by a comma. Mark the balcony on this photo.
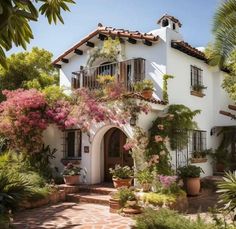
<point>126,72</point>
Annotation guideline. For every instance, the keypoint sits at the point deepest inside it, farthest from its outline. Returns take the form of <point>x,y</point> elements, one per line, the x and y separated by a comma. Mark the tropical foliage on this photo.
<point>15,18</point>
<point>224,30</point>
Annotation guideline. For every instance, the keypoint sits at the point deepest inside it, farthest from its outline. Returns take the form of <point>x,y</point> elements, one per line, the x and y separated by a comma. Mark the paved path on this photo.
<point>71,216</point>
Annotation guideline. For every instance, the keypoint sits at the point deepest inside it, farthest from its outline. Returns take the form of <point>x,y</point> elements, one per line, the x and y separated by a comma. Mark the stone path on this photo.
<point>93,216</point>
<point>71,216</point>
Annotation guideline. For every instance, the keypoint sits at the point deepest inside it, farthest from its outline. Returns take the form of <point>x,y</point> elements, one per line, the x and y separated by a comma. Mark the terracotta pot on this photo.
<point>193,186</point>
<point>71,180</point>
<point>147,94</point>
<point>146,187</point>
<point>220,167</point>
<point>114,205</point>
<point>132,210</point>
<point>122,182</point>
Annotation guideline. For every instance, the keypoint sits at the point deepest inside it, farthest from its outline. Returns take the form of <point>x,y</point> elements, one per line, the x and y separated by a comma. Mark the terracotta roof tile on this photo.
<point>136,96</point>
<point>109,31</point>
<point>188,49</point>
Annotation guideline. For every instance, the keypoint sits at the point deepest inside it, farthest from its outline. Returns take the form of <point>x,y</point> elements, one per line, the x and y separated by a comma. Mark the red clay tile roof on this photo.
<point>172,18</point>
<point>139,96</point>
<point>109,31</point>
<point>135,95</point>
<point>188,49</point>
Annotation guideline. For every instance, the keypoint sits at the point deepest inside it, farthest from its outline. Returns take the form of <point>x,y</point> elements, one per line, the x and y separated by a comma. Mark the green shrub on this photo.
<point>189,171</point>
<point>158,199</point>
<point>168,219</point>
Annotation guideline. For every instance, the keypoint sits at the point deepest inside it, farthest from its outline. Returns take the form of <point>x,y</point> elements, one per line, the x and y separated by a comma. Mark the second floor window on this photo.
<point>196,79</point>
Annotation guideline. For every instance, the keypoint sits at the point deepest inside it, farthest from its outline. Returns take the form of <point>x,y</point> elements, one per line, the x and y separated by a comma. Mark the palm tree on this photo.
<point>15,16</point>
<point>224,30</point>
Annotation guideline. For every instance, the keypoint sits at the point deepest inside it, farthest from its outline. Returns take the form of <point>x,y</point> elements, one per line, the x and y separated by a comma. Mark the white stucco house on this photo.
<point>145,56</point>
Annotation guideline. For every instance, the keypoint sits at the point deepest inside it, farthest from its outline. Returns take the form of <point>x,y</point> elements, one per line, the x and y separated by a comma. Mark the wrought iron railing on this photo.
<point>126,72</point>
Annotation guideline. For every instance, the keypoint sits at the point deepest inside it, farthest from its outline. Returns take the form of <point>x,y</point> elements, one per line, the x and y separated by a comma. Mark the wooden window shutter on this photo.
<point>139,69</point>
<point>71,144</point>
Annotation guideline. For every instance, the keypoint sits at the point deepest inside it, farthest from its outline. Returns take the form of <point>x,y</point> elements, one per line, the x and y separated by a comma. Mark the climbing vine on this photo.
<point>165,87</point>
<point>109,51</point>
<point>173,128</point>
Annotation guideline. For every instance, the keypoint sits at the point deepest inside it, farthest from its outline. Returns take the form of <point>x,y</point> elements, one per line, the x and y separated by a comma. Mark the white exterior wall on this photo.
<point>215,99</point>
<point>160,59</point>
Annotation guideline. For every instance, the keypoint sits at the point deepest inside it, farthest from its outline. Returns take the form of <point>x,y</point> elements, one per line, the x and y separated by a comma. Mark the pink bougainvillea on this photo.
<point>167,181</point>
<point>26,114</point>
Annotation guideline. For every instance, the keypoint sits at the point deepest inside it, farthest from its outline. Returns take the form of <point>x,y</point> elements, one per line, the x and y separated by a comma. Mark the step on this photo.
<point>88,198</point>
<point>96,189</point>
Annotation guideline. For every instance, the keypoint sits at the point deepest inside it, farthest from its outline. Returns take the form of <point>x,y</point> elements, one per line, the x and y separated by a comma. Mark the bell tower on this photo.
<point>170,22</point>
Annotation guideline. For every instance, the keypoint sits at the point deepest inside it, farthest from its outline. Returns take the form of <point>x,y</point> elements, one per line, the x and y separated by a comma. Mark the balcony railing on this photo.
<point>126,72</point>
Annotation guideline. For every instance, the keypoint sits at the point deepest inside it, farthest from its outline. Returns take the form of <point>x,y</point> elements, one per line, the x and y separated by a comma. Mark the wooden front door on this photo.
<point>114,151</point>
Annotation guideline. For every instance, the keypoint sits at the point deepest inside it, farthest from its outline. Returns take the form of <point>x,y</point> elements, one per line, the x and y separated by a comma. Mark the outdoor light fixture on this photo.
<point>132,121</point>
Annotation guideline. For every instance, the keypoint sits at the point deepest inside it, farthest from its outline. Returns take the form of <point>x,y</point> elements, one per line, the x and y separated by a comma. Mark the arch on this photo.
<point>97,151</point>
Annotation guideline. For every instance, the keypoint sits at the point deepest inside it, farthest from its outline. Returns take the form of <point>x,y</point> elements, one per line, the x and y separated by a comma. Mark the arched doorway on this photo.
<point>114,152</point>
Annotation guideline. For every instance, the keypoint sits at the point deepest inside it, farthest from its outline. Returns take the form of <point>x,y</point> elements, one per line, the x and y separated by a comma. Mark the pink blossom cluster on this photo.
<point>167,181</point>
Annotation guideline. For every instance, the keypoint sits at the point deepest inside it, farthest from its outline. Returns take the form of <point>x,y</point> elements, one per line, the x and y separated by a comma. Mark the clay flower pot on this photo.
<point>220,167</point>
<point>146,187</point>
<point>122,182</point>
<point>147,94</point>
<point>193,186</point>
<point>71,180</point>
<point>114,205</point>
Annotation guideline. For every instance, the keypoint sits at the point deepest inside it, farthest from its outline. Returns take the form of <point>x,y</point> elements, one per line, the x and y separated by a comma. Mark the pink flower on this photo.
<point>158,138</point>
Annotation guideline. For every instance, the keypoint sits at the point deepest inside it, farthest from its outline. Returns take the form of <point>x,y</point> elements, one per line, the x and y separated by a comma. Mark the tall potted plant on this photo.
<point>144,87</point>
<point>191,177</point>
<point>121,176</point>
<point>71,174</point>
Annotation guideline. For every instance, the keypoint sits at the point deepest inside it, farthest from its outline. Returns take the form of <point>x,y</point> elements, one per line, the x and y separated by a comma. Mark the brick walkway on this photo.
<point>71,216</point>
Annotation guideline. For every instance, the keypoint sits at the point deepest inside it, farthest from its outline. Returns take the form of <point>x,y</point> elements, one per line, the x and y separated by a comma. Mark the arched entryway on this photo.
<point>114,152</point>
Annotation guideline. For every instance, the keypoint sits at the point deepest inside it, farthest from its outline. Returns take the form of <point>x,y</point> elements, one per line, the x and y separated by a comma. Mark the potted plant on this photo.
<point>124,198</point>
<point>121,176</point>
<point>221,159</point>
<point>144,87</point>
<point>71,174</point>
<point>191,177</point>
<point>145,179</point>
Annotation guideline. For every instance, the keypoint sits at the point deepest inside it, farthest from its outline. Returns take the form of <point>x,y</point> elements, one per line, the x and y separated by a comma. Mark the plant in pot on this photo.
<point>191,177</point>
<point>145,179</point>
<point>144,87</point>
<point>126,200</point>
<point>221,159</point>
<point>121,176</point>
<point>71,174</point>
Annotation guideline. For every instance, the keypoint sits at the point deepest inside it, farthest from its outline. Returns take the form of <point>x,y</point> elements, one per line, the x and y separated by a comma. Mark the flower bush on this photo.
<point>25,114</point>
<point>71,170</point>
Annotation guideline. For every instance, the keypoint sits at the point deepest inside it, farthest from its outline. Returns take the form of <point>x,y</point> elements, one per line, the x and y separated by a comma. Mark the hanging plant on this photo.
<point>109,51</point>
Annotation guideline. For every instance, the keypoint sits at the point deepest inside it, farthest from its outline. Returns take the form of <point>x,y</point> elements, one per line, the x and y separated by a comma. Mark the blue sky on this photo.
<point>196,17</point>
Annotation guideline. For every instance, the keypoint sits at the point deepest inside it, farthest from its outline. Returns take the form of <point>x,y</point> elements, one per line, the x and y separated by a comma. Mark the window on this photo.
<point>196,81</point>
<point>198,141</point>
<point>72,144</point>
<point>165,22</point>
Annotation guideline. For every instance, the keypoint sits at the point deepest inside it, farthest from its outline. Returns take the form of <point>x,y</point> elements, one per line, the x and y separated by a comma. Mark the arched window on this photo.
<point>165,22</point>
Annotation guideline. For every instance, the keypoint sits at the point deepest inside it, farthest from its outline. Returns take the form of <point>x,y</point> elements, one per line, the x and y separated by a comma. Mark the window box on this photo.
<point>198,160</point>
<point>197,93</point>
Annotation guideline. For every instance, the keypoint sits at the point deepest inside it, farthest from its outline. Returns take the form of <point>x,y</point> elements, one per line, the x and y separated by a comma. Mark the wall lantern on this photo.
<point>133,120</point>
